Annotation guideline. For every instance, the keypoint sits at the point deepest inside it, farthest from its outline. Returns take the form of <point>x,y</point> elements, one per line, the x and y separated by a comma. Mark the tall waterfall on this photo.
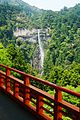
<point>41,50</point>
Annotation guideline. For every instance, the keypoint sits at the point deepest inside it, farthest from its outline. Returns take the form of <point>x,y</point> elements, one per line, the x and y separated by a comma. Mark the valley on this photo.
<point>41,40</point>
<point>42,43</point>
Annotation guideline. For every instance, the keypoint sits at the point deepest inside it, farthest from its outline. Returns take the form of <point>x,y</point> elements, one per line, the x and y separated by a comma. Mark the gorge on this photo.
<point>38,37</point>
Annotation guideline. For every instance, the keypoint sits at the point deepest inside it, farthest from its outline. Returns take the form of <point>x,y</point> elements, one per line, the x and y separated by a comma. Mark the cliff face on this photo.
<point>31,34</point>
<point>24,32</point>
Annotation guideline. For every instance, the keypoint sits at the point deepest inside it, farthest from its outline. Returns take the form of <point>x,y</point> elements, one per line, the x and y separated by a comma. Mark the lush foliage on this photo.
<point>62,51</point>
<point>62,60</point>
<point>14,52</point>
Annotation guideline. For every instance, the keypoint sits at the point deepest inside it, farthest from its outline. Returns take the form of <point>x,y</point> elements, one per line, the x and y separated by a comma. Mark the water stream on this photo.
<point>41,50</point>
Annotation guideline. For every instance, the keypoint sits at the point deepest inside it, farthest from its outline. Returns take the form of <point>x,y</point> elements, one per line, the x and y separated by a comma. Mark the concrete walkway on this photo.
<point>9,110</point>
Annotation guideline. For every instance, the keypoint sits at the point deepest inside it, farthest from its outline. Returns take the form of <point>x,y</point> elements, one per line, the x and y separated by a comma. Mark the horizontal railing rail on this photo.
<point>40,102</point>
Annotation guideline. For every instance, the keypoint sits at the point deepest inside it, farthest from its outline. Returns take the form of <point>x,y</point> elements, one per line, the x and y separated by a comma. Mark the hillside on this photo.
<point>26,31</point>
<point>62,59</point>
<point>30,10</point>
<point>62,50</point>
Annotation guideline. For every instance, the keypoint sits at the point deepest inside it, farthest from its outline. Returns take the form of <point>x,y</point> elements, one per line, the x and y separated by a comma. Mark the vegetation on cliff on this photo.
<point>62,51</point>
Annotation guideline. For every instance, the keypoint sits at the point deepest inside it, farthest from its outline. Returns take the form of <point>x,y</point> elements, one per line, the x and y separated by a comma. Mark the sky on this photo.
<point>54,5</point>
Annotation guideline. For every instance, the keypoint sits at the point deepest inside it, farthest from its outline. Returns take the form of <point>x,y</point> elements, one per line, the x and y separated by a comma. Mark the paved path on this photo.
<point>9,110</point>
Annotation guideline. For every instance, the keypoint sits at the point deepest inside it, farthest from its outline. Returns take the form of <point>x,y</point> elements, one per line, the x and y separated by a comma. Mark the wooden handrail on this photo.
<point>43,81</point>
<point>35,99</point>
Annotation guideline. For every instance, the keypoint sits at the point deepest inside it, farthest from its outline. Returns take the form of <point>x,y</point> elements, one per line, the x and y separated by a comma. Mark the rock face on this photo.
<point>24,32</point>
<point>32,35</point>
<point>37,36</point>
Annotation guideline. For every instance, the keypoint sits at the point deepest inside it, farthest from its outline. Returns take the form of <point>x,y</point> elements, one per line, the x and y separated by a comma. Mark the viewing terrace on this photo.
<point>22,99</point>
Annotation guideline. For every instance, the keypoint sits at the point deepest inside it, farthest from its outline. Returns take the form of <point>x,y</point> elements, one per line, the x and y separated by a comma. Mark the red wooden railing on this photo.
<point>36,99</point>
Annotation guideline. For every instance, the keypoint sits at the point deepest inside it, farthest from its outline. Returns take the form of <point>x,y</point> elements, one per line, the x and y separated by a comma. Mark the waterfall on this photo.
<point>41,50</point>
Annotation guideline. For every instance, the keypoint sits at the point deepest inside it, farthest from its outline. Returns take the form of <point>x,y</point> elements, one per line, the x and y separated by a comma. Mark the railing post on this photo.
<point>57,108</point>
<point>39,105</point>
<point>26,90</point>
<point>1,81</point>
<point>16,89</point>
<point>7,80</point>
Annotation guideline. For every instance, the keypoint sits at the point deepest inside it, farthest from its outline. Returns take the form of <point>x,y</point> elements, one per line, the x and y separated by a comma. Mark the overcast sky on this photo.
<point>54,5</point>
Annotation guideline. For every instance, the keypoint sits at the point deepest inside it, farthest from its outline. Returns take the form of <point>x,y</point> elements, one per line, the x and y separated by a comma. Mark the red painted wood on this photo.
<point>7,80</point>
<point>39,105</point>
<point>1,80</point>
<point>57,107</point>
<point>43,81</point>
<point>16,89</point>
<point>38,94</point>
<point>26,90</point>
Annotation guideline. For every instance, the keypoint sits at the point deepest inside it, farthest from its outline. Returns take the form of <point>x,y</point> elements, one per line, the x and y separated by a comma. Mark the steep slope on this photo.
<point>21,4</point>
<point>62,59</point>
<point>38,17</point>
<point>62,51</point>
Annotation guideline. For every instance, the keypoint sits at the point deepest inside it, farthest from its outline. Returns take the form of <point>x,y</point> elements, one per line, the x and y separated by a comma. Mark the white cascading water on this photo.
<point>41,50</point>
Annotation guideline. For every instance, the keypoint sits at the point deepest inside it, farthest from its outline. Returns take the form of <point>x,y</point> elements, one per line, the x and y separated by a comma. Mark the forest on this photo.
<point>62,50</point>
